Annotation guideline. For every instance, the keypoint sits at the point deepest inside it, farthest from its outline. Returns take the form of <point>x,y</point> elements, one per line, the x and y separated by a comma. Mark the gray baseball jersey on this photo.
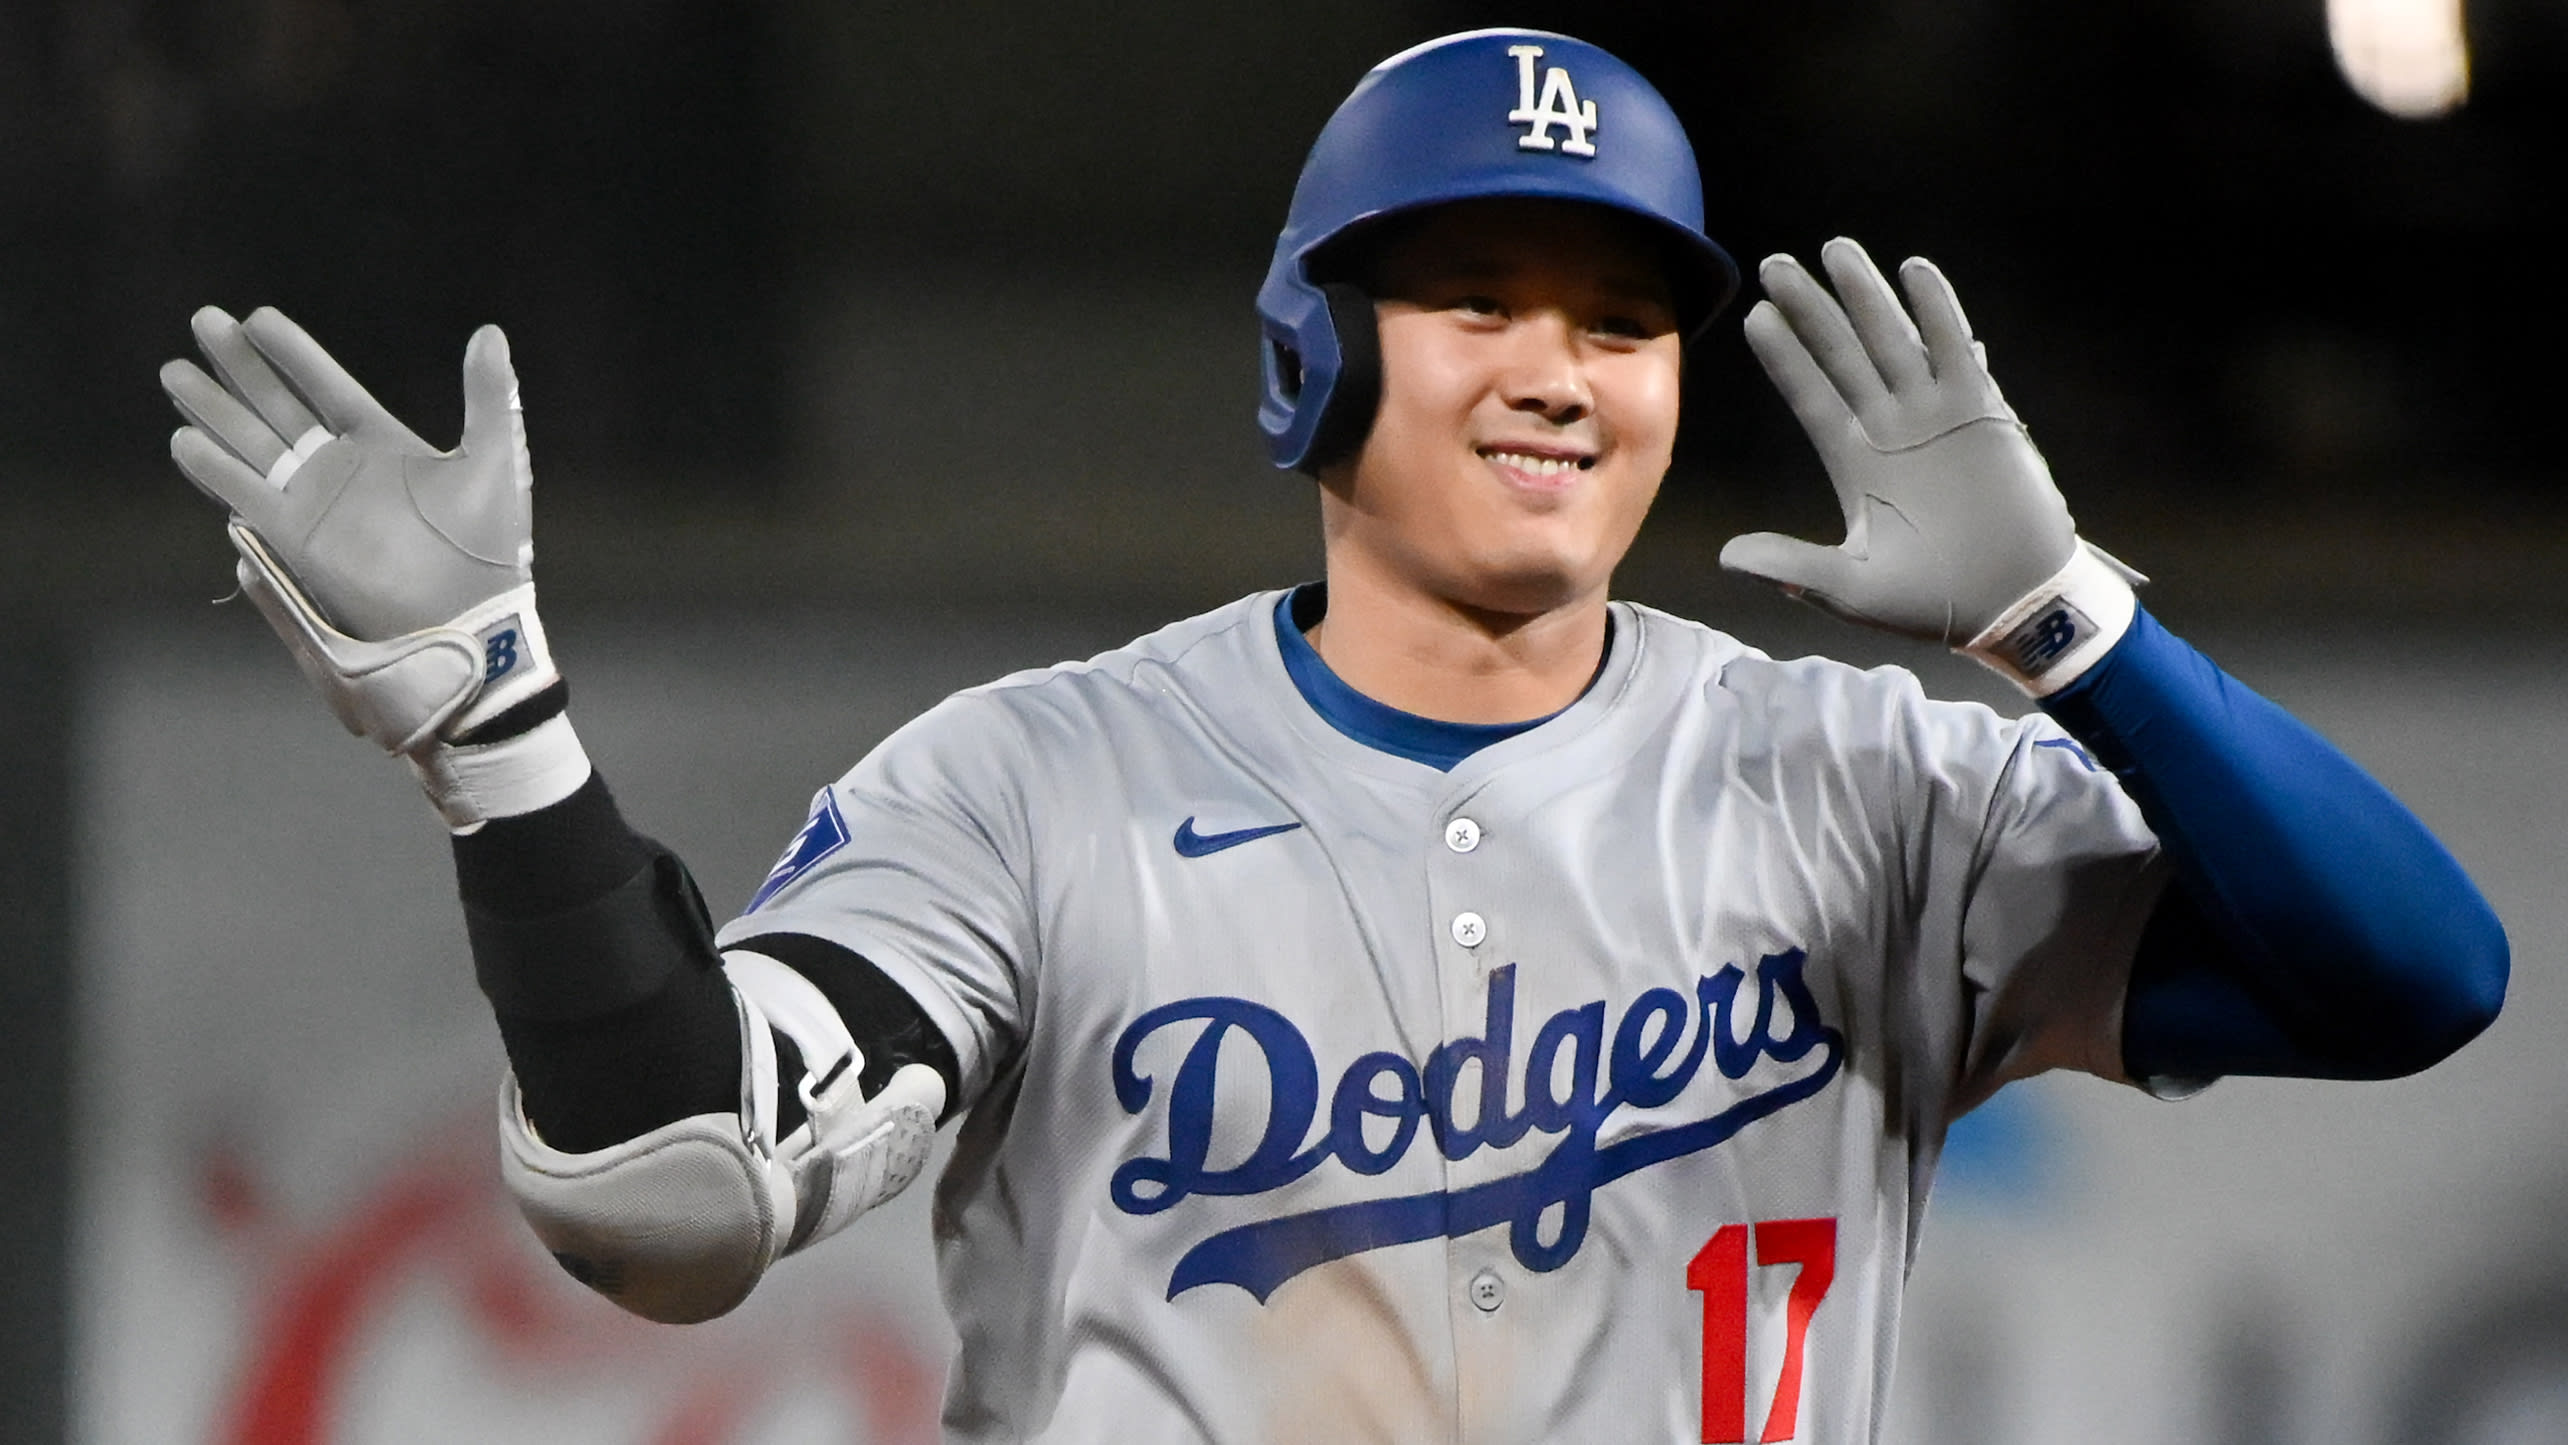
<point>1588,1091</point>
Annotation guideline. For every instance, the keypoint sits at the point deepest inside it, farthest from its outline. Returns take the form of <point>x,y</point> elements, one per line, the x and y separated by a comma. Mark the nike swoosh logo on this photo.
<point>1191,844</point>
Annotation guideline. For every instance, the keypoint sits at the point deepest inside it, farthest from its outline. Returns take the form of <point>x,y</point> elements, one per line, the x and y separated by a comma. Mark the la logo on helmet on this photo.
<point>1559,105</point>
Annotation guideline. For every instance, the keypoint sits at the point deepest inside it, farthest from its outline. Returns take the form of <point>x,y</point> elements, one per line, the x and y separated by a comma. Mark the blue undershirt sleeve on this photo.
<point>2314,928</point>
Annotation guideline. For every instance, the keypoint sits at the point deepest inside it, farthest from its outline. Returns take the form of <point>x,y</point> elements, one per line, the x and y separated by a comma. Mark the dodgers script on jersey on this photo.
<point>1589,1091</point>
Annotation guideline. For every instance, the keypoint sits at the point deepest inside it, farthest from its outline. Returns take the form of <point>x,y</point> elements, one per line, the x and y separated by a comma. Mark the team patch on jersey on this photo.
<point>1785,1053</point>
<point>823,833</point>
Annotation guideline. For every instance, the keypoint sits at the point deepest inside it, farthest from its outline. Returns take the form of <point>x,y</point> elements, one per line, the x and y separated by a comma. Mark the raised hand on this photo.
<point>1952,521</point>
<point>399,575</point>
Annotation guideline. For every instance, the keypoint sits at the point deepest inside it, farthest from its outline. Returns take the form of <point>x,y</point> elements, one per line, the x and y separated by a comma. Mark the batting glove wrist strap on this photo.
<point>2055,632</point>
<point>407,692</point>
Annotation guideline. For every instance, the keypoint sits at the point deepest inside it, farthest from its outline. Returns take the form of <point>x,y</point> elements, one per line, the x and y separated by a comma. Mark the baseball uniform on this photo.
<point>1318,1093</point>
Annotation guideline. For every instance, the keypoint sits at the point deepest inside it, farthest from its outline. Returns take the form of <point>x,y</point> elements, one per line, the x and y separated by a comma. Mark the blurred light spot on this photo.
<point>2409,57</point>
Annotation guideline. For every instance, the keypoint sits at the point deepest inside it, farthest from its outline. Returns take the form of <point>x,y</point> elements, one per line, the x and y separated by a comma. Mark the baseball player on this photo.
<point>1439,1003</point>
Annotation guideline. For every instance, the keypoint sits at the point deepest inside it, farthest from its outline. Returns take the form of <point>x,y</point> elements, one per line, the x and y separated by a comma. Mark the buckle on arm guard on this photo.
<point>679,1224</point>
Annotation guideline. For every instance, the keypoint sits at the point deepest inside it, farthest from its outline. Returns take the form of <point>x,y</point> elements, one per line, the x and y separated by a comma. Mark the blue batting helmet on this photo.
<point>1484,113</point>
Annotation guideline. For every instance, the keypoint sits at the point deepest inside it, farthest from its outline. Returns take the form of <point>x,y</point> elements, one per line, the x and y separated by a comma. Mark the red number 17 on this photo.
<point>1720,1271</point>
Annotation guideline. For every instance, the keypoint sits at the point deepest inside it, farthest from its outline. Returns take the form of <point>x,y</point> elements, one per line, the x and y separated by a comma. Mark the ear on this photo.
<point>1346,413</point>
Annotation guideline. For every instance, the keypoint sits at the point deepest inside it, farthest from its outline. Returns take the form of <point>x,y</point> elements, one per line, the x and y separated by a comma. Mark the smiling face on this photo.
<point>1530,362</point>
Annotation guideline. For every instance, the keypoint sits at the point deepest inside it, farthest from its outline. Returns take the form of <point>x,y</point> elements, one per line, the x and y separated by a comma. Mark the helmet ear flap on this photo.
<point>1346,413</point>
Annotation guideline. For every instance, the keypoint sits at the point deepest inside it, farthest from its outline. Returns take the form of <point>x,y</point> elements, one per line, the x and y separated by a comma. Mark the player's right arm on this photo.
<point>676,1118</point>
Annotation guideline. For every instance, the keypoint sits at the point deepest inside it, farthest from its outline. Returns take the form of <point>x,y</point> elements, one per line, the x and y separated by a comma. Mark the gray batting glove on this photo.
<point>398,575</point>
<point>1954,531</point>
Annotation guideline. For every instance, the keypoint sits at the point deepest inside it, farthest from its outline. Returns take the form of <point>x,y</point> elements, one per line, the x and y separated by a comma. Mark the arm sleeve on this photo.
<point>2317,928</point>
<point>595,950</point>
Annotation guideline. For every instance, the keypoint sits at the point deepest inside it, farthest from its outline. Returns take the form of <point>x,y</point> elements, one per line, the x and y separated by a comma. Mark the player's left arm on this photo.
<point>2317,927</point>
<point>2279,950</point>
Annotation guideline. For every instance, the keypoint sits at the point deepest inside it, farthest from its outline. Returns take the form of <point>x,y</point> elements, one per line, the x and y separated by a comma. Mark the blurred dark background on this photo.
<point>831,300</point>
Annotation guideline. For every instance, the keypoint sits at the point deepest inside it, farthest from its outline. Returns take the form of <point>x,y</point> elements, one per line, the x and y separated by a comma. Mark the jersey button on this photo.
<point>1488,1292</point>
<point>1469,929</point>
<point>1462,835</point>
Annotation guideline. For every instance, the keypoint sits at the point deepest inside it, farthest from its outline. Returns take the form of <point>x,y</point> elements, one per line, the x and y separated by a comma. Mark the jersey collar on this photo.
<point>1439,745</point>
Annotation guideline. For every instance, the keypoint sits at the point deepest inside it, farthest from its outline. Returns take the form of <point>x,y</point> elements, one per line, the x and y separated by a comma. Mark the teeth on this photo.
<point>1539,466</point>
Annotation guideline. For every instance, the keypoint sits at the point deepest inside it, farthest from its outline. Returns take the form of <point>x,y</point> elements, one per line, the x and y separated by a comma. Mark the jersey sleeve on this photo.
<point>917,860</point>
<point>2051,875</point>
